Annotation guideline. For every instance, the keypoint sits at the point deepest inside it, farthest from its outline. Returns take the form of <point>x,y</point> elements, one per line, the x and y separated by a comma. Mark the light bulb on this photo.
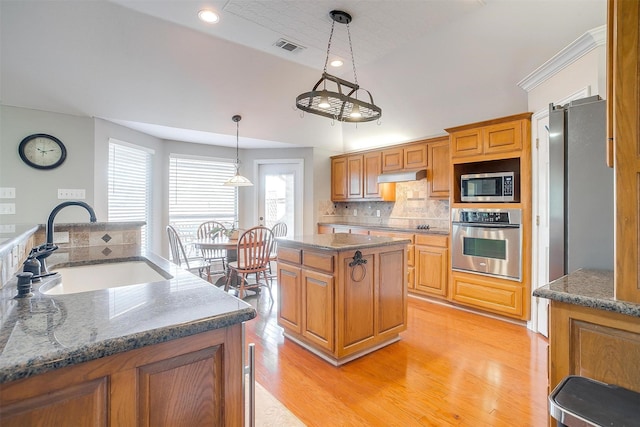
<point>324,102</point>
<point>355,111</point>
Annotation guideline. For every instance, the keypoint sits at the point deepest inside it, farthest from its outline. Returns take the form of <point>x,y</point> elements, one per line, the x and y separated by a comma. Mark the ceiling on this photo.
<point>154,67</point>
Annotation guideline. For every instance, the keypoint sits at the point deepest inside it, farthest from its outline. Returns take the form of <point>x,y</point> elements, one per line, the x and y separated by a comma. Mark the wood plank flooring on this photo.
<point>451,368</point>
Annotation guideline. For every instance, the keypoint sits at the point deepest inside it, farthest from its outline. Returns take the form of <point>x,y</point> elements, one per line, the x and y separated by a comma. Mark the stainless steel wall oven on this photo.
<point>487,241</point>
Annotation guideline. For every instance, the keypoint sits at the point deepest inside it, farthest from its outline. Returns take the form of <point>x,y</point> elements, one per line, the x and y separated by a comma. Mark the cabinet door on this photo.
<point>431,270</point>
<point>356,305</point>
<point>440,170</point>
<point>355,172</point>
<point>499,296</point>
<point>289,297</point>
<point>318,308</point>
<point>392,159</point>
<point>372,168</point>
<point>391,293</point>
<point>466,143</point>
<point>339,179</point>
<point>503,137</point>
<point>625,20</point>
<point>415,156</point>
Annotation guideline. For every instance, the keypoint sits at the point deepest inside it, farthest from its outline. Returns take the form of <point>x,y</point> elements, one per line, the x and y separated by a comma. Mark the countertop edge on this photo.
<point>388,228</point>
<point>588,288</point>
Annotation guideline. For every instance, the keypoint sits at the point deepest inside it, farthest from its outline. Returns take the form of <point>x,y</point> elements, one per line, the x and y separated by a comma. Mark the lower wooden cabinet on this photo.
<point>500,296</point>
<point>317,308</point>
<point>432,265</point>
<point>190,381</point>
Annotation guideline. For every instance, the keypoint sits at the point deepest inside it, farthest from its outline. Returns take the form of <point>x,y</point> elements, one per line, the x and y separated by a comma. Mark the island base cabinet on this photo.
<point>317,294</point>
<point>190,381</point>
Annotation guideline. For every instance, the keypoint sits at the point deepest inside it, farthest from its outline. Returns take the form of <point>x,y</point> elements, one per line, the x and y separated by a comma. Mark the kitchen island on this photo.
<point>168,352</point>
<point>342,295</point>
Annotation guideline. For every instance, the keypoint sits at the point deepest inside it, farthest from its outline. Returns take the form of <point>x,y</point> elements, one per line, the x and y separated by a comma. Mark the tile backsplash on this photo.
<point>412,207</point>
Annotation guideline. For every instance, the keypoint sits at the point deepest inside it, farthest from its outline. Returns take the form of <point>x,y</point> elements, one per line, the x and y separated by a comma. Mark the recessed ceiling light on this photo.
<point>337,63</point>
<point>209,16</point>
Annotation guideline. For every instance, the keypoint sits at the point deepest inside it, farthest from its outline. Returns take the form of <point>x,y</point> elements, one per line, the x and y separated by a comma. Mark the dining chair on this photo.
<point>179,256</point>
<point>254,248</point>
<point>213,230</point>
<point>279,230</point>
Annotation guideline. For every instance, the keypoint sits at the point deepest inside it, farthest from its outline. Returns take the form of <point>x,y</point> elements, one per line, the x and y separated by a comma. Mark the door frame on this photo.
<point>540,235</point>
<point>299,188</point>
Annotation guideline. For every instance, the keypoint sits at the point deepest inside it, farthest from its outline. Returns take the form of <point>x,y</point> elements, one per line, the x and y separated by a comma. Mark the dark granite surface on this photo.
<point>442,231</point>
<point>588,288</point>
<point>43,333</point>
<point>339,241</point>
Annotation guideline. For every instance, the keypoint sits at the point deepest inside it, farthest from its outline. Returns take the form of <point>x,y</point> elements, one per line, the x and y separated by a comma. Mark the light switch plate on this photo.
<point>7,208</point>
<point>7,193</point>
<point>71,193</point>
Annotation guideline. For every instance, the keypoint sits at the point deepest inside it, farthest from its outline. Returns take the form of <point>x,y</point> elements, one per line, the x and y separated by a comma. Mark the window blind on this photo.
<point>197,193</point>
<point>130,186</point>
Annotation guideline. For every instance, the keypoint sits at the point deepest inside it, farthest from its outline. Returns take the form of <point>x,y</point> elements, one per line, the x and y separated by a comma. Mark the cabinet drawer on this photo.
<point>432,240</point>
<point>318,261</point>
<point>492,295</point>
<point>289,255</point>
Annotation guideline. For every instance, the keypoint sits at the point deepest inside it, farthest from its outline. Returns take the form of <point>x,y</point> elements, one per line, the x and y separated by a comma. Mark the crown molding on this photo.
<point>567,56</point>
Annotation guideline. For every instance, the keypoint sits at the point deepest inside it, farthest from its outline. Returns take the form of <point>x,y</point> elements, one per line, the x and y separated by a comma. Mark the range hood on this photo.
<point>402,176</point>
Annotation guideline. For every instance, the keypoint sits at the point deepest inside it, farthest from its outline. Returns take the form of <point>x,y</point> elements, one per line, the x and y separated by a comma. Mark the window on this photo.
<point>197,194</point>
<point>130,186</point>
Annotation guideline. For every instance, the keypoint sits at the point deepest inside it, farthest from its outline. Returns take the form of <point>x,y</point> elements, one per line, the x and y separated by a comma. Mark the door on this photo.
<point>280,196</point>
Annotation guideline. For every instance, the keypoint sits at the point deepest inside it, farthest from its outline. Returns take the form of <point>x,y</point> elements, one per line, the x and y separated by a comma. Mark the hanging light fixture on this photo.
<point>238,180</point>
<point>342,103</point>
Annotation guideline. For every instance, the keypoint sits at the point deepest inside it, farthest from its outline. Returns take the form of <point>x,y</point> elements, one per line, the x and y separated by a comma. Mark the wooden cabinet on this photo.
<point>500,296</point>
<point>439,170</point>
<point>355,177</point>
<point>196,380</point>
<point>337,310</point>
<point>624,102</point>
<point>598,344</point>
<point>412,156</point>
<point>432,264</point>
<point>410,252</point>
<point>491,139</point>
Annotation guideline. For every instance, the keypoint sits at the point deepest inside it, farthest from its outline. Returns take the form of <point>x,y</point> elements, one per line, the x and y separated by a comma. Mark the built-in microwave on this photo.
<point>488,187</point>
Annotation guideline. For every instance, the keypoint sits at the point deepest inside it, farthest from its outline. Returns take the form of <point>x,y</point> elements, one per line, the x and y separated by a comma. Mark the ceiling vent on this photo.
<point>288,46</point>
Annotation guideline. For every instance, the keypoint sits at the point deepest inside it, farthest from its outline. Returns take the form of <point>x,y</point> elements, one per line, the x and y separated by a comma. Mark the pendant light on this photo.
<point>342,103</point>
<point>238,180</point>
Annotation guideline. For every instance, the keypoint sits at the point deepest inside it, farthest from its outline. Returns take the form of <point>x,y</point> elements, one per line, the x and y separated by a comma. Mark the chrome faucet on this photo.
<point>43,251</point>
<point>54,212</point>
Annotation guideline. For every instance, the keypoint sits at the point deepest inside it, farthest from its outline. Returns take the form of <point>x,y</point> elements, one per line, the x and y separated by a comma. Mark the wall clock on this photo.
<point>42,151</point>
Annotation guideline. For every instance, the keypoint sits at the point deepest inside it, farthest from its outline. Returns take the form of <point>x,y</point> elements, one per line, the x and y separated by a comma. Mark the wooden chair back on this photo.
<point>212,230</point>
<point>254,248</point>
<point>178,254</point>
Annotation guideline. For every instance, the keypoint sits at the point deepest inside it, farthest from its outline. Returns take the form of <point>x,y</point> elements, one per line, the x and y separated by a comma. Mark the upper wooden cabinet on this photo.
<point>439,171</point>
<point>413,156</point>
<point>490,139</point>
<point>347,177</point>
<point>624,68</point>
<point>355,177</point>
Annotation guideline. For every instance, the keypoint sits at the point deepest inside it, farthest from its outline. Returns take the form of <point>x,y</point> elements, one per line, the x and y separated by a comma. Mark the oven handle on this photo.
<point>485,225</point>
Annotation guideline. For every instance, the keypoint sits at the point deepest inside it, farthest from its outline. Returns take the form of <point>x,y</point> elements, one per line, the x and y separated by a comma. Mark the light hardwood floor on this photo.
<point>451,368</point>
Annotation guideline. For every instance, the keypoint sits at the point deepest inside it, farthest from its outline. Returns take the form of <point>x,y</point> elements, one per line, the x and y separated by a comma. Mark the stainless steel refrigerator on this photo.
<point>581,207</point>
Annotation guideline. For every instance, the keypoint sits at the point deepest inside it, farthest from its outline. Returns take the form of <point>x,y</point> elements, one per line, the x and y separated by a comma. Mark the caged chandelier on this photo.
<point>343,103</point>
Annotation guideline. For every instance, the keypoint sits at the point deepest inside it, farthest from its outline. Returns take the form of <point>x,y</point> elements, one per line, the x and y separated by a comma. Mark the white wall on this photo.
<point>37,190</point>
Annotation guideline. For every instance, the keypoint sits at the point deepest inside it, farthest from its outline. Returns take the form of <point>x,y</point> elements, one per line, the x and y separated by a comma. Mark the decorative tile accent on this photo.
<point>106,251</point>
<point>106,238</point>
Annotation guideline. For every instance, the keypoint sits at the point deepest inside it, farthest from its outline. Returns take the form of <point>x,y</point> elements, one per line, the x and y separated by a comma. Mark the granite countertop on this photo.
<point>47,332</point>
<point>588,288</point>
<point>339,241</point>
<point>431,230</point>
<point>13,233</point>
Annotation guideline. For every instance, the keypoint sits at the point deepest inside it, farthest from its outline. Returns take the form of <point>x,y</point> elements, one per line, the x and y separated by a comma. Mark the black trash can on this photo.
<point>579,401</point>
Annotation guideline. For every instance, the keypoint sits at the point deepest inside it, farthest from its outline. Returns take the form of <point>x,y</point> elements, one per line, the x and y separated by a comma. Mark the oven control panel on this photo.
<point>486,216</point>
<point>491,217</point>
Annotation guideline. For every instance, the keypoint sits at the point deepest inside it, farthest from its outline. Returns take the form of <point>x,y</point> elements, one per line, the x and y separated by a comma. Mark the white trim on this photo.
<point>198,157</point>
<point>567,56</point>
<point>130,145</point>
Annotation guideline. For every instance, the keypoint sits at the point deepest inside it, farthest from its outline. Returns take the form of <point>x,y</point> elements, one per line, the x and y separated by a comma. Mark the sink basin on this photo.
<point>85,278</point>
